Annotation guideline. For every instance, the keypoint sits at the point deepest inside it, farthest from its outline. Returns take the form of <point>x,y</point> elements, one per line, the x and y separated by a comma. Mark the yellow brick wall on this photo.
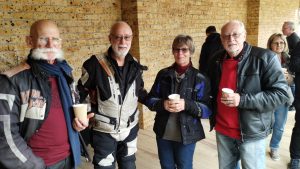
<point>84,27</point>
<point>252,21</point>
<point>272,15</point>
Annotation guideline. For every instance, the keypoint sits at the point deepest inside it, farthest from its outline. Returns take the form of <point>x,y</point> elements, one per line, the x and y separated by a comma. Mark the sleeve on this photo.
<point>273,87</point>
<point>154,100</point>
<point>14,150</point>
<point>86,84</point>
<point>294,41</point>
<point>142,95</point>
<point>295,59</point>
<point>199,105</point>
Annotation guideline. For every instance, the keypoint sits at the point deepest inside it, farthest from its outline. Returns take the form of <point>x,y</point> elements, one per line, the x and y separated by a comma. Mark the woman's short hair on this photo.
<point>181,40</point>
<point>272,38</point>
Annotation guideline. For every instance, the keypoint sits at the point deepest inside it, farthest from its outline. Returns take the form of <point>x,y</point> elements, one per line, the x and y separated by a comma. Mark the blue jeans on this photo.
<point>63,164</point>
<point>280,116</point>
<point>293,87</point>
<point>230,151</point>
<point>175,155</point>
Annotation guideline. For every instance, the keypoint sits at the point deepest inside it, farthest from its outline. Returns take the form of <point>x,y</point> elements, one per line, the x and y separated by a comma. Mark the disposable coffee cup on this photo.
<point>174,97</point>
<point>226,91</point>
<point>284,70</point>
<point>80,111</point>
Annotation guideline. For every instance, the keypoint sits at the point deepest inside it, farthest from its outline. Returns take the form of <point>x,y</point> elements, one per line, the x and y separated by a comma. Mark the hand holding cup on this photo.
<point>230,98</point>
<point>80,111</point>
<point>174,104</point>
<point>226,92</point>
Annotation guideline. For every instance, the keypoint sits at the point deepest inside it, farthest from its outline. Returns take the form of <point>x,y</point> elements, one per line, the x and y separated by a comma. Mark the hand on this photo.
<point>174,106</point>
<point>231,99</point>
<point>80,125</point>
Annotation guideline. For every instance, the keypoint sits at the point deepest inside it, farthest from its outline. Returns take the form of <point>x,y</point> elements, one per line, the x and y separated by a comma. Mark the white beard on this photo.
<point>41,54</point>
<point>120,53</point>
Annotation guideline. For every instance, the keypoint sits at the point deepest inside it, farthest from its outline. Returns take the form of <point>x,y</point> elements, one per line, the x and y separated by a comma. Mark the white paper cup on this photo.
<point>80,111</point>
<point>226,91</point>
<point>174,97</point>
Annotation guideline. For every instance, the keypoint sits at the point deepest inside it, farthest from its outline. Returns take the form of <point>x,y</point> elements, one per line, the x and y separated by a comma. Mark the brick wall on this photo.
<point>85,27</point>
<point>252,21</point>
<point>272,15</point>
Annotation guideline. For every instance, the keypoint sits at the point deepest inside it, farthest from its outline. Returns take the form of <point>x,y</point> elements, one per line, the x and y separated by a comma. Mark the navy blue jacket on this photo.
<point>194,90</point>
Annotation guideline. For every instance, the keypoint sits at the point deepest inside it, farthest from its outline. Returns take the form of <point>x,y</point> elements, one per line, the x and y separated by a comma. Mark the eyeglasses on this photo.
<point>234,36</point>
<point>177,50</point>
<point>119,37</point>
<point>45,40</point>
<point>277,43</point>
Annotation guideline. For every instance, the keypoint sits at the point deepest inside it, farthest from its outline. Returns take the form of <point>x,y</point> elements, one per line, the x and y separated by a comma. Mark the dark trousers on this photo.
<point>108,150</point>
<point>295,140</point>
<point>63,164</point>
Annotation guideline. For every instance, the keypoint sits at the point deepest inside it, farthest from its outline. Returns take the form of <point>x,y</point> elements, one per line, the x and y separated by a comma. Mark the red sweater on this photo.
<point>227,118</point>
<point>51,141</point>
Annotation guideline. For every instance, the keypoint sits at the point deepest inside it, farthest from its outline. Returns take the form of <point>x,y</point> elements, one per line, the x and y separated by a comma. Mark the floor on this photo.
<point>206,154</point>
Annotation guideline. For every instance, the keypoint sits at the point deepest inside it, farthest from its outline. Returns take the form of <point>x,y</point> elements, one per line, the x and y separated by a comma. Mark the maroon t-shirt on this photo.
<point>227,118</point>
<point>51,141</point>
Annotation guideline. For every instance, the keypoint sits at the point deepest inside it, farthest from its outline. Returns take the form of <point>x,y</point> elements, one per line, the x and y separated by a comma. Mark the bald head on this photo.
<point>39,25</point>
<point>120,25</point>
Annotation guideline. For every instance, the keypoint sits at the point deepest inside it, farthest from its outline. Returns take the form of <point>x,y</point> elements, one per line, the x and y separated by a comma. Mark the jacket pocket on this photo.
<point>32,112</point>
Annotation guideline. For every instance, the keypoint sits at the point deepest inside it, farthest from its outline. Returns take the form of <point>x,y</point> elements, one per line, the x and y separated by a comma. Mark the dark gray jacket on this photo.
<point>292,41</point>
<point>25,99</point>
<point>261,85</point>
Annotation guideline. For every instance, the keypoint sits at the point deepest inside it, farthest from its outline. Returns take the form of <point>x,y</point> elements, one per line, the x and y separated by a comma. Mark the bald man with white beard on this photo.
<point>37,125</point>
<point>114,83</point>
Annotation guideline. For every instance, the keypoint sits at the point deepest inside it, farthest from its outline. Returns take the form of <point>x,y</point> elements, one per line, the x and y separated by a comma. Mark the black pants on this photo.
<point>63,164</point>
<point>108,150</point>
<point>295,140</point>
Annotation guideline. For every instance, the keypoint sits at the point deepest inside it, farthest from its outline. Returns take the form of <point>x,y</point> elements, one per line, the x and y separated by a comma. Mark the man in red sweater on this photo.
<point>243,119</point>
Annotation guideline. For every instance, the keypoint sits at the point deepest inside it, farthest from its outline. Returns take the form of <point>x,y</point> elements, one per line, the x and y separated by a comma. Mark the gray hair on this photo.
<point>181,40</point>
<point>240,23</point>
<point>290,24</point>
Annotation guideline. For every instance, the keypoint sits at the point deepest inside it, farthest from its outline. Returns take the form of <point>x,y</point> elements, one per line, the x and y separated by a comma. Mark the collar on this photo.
<point>239,57</point>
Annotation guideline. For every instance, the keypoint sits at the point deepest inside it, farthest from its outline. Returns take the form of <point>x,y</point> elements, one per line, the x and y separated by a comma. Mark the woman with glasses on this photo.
<point>180,97</point>
<point>277,44</point>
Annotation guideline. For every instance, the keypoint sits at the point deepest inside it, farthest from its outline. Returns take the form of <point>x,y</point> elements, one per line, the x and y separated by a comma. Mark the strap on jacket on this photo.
<point>131,118</point>
<point>104,64</point>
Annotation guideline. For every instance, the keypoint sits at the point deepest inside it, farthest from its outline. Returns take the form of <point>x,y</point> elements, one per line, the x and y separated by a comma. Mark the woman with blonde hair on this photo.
<point>277,44</point>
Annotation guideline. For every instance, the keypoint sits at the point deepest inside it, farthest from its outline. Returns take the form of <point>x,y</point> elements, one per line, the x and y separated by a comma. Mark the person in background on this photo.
<point>243,119</point>
<point>295,139</point>
<point>277,44</point>
<point>288,29</point>
<point>113,81</point>
<point>210,46</point>
<point>177,123</point>
<point>36,107</point>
